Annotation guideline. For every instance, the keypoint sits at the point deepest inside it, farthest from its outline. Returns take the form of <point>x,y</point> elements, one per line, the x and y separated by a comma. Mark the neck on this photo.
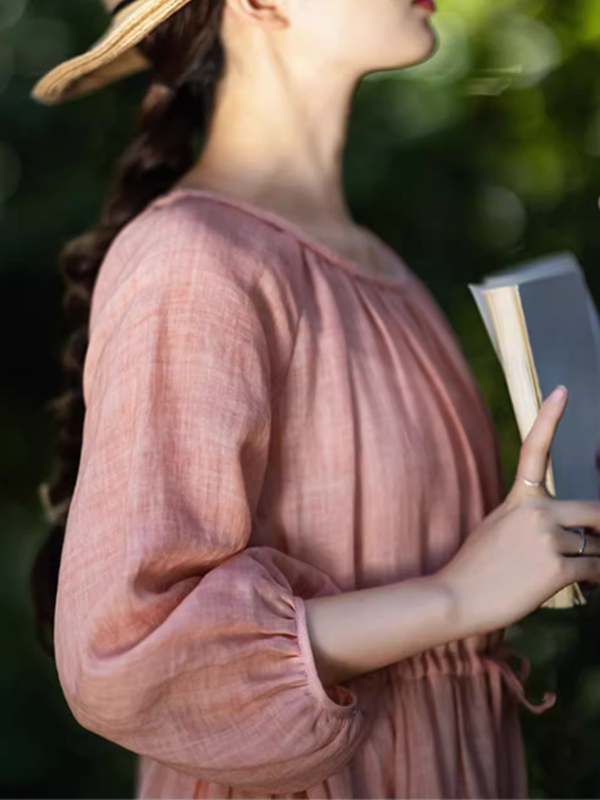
<point>277,137</point>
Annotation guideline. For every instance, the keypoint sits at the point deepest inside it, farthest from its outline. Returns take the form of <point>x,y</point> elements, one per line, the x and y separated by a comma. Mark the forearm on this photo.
<point>357,632</point>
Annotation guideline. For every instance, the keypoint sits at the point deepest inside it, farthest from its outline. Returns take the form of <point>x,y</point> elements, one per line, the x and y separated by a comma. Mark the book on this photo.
<point>544,327</point>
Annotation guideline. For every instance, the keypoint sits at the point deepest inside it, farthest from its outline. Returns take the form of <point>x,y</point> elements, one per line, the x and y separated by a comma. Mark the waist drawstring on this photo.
<point>516,684</point>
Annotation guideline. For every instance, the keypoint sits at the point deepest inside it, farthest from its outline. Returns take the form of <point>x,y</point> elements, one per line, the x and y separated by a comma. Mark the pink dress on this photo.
<point>266,423</point>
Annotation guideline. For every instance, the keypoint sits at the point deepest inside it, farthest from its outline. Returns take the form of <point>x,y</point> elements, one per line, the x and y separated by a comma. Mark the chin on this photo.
<point>421,50</point>
<point>430,49</point>
<point>408,52</point>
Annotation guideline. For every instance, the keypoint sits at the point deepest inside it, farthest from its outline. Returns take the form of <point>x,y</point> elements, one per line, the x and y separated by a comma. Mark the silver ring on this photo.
<point>530,483</point>
<point>583,540</point>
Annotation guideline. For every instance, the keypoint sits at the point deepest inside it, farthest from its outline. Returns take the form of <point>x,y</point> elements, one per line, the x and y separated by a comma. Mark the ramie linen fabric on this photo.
<point>267,422</point>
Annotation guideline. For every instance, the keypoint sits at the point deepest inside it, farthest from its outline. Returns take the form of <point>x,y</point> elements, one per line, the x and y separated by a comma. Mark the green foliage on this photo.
<point>482,157</point>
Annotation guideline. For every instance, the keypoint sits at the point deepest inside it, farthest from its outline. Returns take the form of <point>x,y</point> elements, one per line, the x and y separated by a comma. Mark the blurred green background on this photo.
<point>483,157</point>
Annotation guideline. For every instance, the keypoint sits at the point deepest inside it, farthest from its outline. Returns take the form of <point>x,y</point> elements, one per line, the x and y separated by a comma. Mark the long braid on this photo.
<point>187,54</point>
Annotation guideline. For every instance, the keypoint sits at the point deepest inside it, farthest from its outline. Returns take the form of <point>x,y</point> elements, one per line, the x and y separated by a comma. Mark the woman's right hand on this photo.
<point>522,554</point>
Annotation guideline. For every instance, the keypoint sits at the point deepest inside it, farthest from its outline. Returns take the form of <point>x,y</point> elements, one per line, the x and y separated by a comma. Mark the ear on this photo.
<point>266,12</point>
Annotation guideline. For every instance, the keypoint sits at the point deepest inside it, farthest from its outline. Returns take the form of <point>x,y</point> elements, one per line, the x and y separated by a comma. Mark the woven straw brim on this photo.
<point>112,57</point>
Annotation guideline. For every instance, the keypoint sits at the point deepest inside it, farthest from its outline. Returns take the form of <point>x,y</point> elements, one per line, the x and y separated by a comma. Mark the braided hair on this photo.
<point>187,60</point>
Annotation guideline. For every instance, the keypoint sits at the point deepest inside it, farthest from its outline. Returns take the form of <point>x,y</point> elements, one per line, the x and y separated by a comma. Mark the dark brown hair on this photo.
<point>185,52</point>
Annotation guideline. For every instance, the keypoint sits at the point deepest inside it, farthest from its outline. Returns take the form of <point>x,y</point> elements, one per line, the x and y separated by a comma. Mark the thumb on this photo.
<point>535,450</point>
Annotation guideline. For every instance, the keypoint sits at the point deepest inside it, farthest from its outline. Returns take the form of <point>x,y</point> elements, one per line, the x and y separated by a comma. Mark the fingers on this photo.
<point>533,459</point>
<point>576,570</point>
<point>569,543</point>
<point>576,513</point>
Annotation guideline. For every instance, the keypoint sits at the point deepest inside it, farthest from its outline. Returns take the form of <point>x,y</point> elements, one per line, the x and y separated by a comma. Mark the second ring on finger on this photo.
<point>578,541</point>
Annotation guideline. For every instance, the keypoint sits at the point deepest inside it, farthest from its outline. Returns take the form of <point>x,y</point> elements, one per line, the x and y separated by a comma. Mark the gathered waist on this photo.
<point>496,662</point>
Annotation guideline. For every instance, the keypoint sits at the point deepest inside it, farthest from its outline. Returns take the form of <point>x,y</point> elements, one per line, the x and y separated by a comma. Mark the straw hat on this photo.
<point>111,57</point>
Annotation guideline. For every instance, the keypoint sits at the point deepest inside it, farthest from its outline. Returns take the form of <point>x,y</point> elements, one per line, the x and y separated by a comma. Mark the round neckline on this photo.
<point>354,268</point>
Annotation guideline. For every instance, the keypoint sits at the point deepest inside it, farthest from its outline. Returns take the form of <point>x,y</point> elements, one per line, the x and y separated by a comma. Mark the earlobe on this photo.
<point>270,12</point>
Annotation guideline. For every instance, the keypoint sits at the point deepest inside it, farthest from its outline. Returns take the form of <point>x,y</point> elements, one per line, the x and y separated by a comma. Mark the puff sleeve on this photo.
<point>175,638</point>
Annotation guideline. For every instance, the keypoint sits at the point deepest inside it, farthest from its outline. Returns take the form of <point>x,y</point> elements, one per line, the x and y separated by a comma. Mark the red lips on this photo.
<point>429,5</point>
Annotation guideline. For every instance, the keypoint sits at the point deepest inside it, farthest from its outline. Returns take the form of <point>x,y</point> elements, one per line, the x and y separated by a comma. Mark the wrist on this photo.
<point>456,613</point>
<point>435,611</point>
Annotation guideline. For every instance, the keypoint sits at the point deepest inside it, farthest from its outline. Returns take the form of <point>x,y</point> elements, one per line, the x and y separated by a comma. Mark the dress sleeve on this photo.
<point>173,637</point>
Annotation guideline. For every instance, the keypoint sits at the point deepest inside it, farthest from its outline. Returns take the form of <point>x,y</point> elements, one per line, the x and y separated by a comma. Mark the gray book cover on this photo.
<point>564,334</point>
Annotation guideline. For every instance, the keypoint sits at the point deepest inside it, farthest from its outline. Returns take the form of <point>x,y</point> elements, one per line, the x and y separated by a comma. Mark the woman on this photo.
<point>287,564</point>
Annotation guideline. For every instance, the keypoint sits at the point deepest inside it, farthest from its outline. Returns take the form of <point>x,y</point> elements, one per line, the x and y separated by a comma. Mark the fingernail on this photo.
<point>558,394</point>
